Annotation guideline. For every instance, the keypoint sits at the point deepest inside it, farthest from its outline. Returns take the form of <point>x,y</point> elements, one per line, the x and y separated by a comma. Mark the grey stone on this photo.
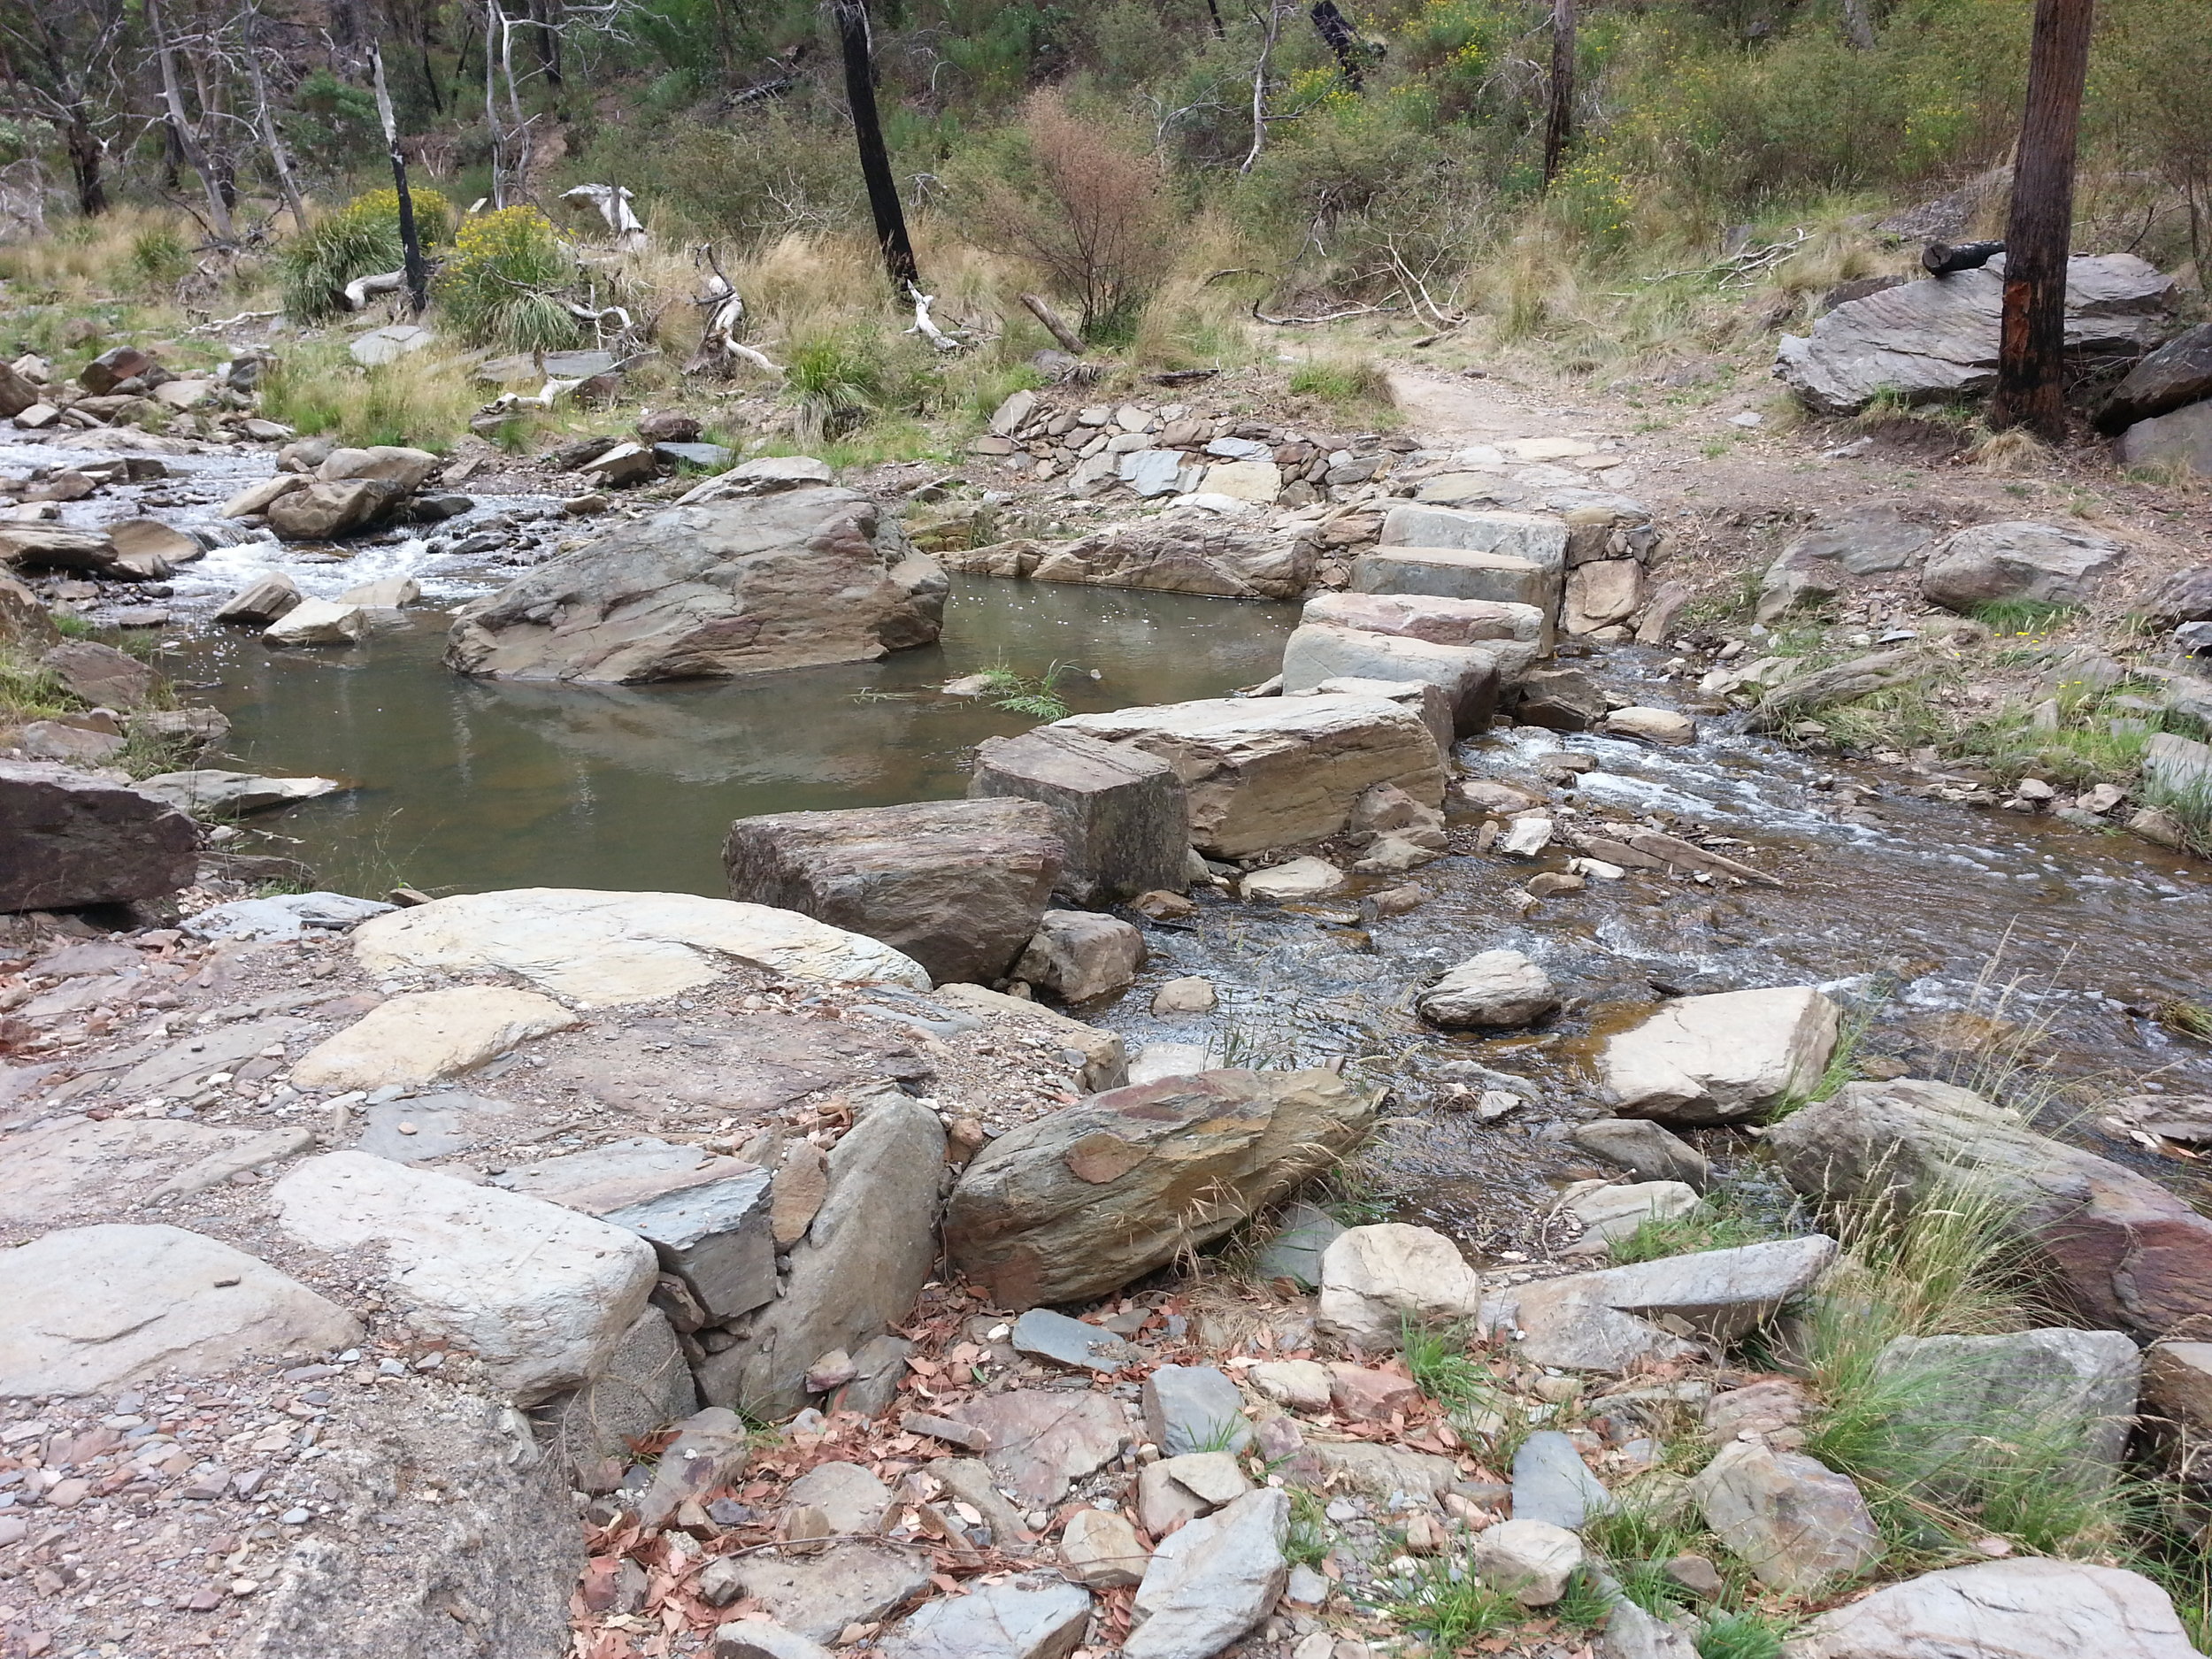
<point>1721,1058</point>
<point>91,1309</point>
<point>1939,338</point>
<point>1539,537</point>
<point>286,915</point>
<point>1043,1334</point>
<point>2184,596</point>
<point>1425,617</point>
<point>706,1217</point>
<point>388,345</point>
<point>2178,374</point>
<point>1989,563</point>
<point>710,1449</point>
<point>970,1481</point>
<point>1078,954</point>
<point>847,1584</point>
<point>714,590</point>
<point>1181,550</point>
<point>1380,1471</point>
<point>1455,573</point>
<point>1468,675</point>
<point>1794,1522</point>
<point>2056,1387</point>
<point>68,839</point>
<point>1614,1212</point>
<point>1645,1150</point>
<point>1099,1548</point>
<point>757,1638</point>
<point>1604,1321</point>
<point>1123,823</point>
<point>1211,1582</point>
<point>437,1125</point>
<point>1035,1617</point>
<point>260,601</point>
<point>850,1498</point>
<point>2126,1253</point>
<point>1042,1441</point>
<point>864,1258</point>
<point>705,456</point>
<point>1495,989</point>
<point>1530,1561</point>
<point>959,885</point>
<point>1195,1409</point>
<point>1633,1633</point>
<point>1552,1483</point>
<point>1560,700</point>
<point>324,512</point>
<point>1865,540</point>
<point>2178,1383</point>
<point>643,1384</point>
<point>1295,1250</point>
<point>879,1368</point>
<point>1374,1278</point>
<point>1082,1201</point>
<point>1152,472</point>
<point>206,792</point>
<point>2022,1609</point>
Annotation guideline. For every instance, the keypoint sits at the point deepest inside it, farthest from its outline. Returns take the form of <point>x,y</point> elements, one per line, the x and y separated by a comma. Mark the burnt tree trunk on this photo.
<point>1560,119</point>
<point>875,161</point>
<point>86,160</point>
<point>1343,42</point>
<point>2031,375</point>
<point>416,267</point>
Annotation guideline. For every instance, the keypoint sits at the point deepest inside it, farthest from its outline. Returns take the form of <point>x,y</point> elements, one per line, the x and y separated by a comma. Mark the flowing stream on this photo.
<point>1938,919</point>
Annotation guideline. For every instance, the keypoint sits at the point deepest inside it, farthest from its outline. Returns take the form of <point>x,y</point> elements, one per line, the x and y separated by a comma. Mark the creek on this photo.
<point>1947,924</point>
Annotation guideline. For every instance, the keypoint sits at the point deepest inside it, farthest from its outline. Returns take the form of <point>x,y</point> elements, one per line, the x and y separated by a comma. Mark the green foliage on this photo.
<point>361,239</point>
<point>2022,619</point>
<point>1438,1357</point>
<point>1306,1542</point>
<point>1039,698</point>
<point>1347,381</point>
<point>1721,1222</point>
<point>498,287</point>
<point>161,256</point>
<point>1744,1635</point>
<point>1449,1610</point>
<point>328,123</point>
<point>837,379</point>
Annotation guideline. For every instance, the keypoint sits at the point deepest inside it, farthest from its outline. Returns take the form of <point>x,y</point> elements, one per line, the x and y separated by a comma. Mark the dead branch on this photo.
<point>1258,316</point>
<point>362,289</point>
<point>1070,341</point>
<point>923,325</point>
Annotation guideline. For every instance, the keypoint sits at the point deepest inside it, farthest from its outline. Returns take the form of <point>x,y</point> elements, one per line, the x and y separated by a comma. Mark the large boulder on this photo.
<point>856,1269</point>
<point>1539,537</point>
<point>324,512</point>
<point>1467,674</point>
<point>716,590</point>
<point>2042,564</point>
<point>1425,617</point>
<point>405,470</point>
<point>1264,772</point>
<point>1720,1059</point>
<point>68,839</point>
<point>1122,822</point>
<point>2180,372</point>
<point>1375,1278</point>
<point>91,1309</point>
<point>1612,1320</point>
<point>543,1294</point>
<point>2123,1250</point>
<point>1492,989</point>
<point>2066,1390</point>
<point>959,885</point>
<point>1939,338</point>
<point>35,545</point>
<point>2182,435</point>
<point>2185,595</point>
<point>102,675</point>
<point>1081,1203</point>
<point>1179,552</point>
<point>1504,578</point>
<point>595,949</point>
<point>1863,541</point>
<point>2031,1607</point>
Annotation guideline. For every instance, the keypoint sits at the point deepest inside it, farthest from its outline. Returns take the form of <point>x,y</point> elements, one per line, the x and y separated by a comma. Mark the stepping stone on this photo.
<point>1044,1335</point>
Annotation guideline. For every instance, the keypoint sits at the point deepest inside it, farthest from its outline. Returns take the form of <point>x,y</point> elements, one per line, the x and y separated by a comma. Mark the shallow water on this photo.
<point>463,785</point>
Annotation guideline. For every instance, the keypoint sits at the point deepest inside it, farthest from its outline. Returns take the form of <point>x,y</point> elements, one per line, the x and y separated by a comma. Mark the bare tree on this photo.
<point>2031,363</point>
<point>61,62</point>
<point>264,122</point>
<point>875,161</point>
<point>1269,15</point>
<point>189,139</point>
<point>1560,118</point>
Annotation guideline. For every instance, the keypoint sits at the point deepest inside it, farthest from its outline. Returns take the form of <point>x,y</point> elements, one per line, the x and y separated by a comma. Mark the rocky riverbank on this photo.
<point>561,1270</point>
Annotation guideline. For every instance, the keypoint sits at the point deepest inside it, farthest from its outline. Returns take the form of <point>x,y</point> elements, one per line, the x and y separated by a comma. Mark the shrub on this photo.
<point>1078,197</point>
<point>360,239</point>
<point>159,255</point>
<point>497,285</point>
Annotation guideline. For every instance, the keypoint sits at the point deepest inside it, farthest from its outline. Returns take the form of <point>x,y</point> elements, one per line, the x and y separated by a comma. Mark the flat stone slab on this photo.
<point>1294,1253</point>
<point>598,949</point>
<point>847,1584</point>
<point>1044,1335</point>
<point>1038,1615</point>
<point>73,1165</point>
<point>90,1308</point>
<point>428,1036</point>
<point>1043,1441</point>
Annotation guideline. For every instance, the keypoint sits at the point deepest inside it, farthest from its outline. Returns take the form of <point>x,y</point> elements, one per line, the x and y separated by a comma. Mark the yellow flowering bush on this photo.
<point>497,284</point>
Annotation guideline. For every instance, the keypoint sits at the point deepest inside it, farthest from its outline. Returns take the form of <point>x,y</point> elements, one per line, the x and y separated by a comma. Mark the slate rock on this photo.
<point>641,1387</point>
<point>817,1596</point>
<point>102,675</point>
<point>1082,1201</point>
<point>1552,1483</point>
<point>1295,1249</point>
<point>959,885</point>
<point>2126,1253</point>
<point>1492,990</point>
<point>2178,373</point>
<point>428,1036</point>
<point>92,1309</point>
<point>1035,1615</point>
<point>1644,1150</point>
<point>2041,564</point>
<point>1614,1212</point>
<point>544,1295</point>
<point>69,839</point>
<point>1100,1550</point>
<point>856,1272</point>
<point>2021,1609</point>
<point>1040,1441</point>
<point>848,1495</point>
<point>1078,954</point>
<point>1798,1525</point>
<point>284,916</point>
<point>1120,814</point>
<point>1211,1582</point>
<point>1043,1334</point>
<point>1194,1408</point>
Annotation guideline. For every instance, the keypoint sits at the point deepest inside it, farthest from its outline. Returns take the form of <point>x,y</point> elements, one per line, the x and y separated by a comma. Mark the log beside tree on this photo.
<point>2039,235</point>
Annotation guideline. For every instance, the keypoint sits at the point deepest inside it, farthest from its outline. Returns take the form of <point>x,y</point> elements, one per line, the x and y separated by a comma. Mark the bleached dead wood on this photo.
<point>361,290</point>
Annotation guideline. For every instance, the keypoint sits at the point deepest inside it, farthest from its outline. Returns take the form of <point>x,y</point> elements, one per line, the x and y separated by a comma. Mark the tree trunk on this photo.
<point>1271,28</point>
<point>1213,11</point>
<point>85,162</point>
<point>187,141</point>
<point>875,161</point>
<point>417,268</point>
<point>1858,24</point>
<point>1560,119</point>
<point>280,158</point>
<point>2030,377</point>
<point>1343,42</point>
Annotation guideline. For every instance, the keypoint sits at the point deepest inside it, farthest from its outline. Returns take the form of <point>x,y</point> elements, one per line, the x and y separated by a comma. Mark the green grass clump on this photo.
<point>1040,699</point>
<point>501,284</point>
<point>1452,1611</point>
<point>1345,382</point>
<point>361,239</point>
<point>1744,1635</point>
<point>1722,1221</point>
